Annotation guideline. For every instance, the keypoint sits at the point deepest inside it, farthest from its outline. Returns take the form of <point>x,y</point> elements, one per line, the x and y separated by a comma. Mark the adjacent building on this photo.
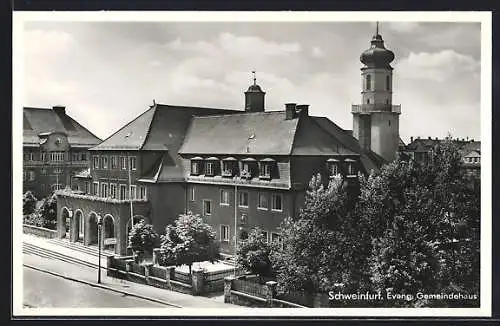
<point>419,149</point>
<point>238,169</point>
<point>55,146</point>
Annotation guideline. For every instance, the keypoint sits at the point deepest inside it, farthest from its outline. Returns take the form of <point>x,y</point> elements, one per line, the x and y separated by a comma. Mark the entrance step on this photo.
<point>78,246</point>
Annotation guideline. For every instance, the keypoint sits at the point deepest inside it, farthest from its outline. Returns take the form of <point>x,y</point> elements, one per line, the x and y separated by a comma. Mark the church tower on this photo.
<point>254,97</point>
<point>376,120</point>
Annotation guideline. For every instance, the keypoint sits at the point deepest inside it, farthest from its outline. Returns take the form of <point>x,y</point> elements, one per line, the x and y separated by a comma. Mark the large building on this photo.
<point>55,146</point>
<point>238,169</point>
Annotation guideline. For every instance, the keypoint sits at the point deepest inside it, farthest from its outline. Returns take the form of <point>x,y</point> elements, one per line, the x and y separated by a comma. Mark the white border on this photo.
<point>19,18</point>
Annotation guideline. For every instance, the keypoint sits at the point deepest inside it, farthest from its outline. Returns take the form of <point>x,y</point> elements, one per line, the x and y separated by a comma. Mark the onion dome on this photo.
<point>377,56</point>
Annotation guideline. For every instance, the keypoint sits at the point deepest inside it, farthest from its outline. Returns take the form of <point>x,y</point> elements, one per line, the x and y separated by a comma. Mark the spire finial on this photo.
<point>254,78</point>
<point>376,32</point>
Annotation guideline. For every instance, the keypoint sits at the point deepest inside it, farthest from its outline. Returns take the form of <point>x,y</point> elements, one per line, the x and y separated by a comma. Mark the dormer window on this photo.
<point>332,166</point>
<point>351,167</point>
<point>247,167</point>
<point>196,165</point>
<point>265,168</point>
<point>228,166</point>
<point>210,166</point>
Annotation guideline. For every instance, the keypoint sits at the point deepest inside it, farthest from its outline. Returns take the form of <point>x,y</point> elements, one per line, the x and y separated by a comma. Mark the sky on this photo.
<point>108,73</point>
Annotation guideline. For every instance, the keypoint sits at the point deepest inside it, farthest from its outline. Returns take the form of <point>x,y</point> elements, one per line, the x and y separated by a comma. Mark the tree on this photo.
<point>425,220</point>
<point>48,212</point>
<point>325,245</point>
<point>143,238</point>
<point>29,203</point>
<point>189,240</point>
<point>253,254</point>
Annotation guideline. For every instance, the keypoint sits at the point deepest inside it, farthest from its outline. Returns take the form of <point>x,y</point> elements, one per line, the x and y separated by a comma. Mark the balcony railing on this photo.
<point>369,108</point>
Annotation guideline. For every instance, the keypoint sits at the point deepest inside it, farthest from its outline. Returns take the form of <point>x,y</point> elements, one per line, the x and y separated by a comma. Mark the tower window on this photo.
<point>368,82</point>
<point>388,82</point>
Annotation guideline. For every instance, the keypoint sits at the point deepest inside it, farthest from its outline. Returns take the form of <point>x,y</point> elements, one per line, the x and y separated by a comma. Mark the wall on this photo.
<point>267,219</point>
<point>385,134</point>
<point>120,211</point>
<point>167,203</point>
<point>361,130</point>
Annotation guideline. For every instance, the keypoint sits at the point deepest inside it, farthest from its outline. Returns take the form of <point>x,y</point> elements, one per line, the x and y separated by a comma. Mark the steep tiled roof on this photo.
<point>43,120</point>
<point>369,159</point>
<point>162,127</point>
<point>269,133</point>
<point>261,133</point>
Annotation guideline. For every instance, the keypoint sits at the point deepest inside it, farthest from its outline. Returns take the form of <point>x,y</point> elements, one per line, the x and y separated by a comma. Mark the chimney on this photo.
<point>411,139</point>
<point>290,111</point>
<point>302,109</point>
<point>436,138</point>
<point>59,109</point>
<point>429,138</point>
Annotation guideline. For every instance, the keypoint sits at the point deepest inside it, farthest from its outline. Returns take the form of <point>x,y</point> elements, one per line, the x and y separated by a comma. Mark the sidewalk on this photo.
<point>89,275</point>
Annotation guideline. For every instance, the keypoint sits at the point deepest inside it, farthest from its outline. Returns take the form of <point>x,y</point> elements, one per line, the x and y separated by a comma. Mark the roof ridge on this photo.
<point>126,125</point>
<point>194,107</point>
<point>235,114</point>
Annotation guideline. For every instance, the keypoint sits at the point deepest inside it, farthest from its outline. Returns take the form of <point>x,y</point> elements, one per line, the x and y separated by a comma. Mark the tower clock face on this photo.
<point>58,141</point>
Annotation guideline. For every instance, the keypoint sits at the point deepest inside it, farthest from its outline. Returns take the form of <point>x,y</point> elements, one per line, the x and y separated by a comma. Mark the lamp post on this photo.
<point>99,236</point>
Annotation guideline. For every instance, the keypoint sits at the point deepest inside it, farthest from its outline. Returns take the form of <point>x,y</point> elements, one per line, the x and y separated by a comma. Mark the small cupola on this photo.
<point>254,97</point>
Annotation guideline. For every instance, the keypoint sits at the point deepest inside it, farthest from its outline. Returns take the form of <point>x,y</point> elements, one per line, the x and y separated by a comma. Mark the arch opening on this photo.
<point>93,230</point>
<point>79,226</point>
<point>66,220</point>
<point>108,233</point>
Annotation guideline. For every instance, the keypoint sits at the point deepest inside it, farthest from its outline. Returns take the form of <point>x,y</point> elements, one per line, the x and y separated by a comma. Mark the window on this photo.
<point>246,170</point>
<point>265,170</point>
<point>32,175</point>
<point>227,169</point>
<point>195,167</point>
<point>276,203</point>
<point>209,168</point>
<point>224,233</point>
<point>32,156</point>
<point>224,197</point>
<point>112,190</point>
<point>265,235</point>
<point>334,169</point>
<point>262,202</point>
<point>133,163</point>
<point>243,199</point>
<point>275,237</point>
<point>191,193</point>
<point>57,156</point>
<point>87,187</point>
<point>95,160</point>
<point>123,192</point>
<point>388,82</point>
<point>142,192</point>
<point>123,162</point>
<point>133,192</point>
<point>351,169</point>
<point>246,167</point>
<point>57,171</point>
<point>83,156</point>
<point>43,171</point>
<point>104,162</point>
<point>104,190</point>
<point>25,175</point>
<point>44,156</point>
<point>207,207</point>
<point>114,162</point>
<point>368,82</point>
<point>95,189</point>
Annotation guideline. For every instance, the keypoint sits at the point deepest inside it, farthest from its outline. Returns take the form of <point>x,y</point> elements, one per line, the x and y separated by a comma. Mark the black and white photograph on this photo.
<point>278,163</point>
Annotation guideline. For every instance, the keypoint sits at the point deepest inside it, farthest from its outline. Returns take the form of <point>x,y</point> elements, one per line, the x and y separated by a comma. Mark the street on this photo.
<point>42,290</point>
<point>45,290</point>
